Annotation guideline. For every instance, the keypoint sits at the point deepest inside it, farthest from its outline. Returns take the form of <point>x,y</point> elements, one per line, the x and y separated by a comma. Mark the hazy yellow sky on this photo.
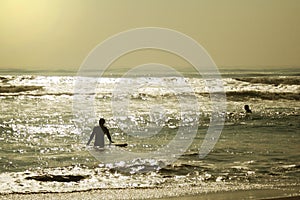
<point>58,34</point>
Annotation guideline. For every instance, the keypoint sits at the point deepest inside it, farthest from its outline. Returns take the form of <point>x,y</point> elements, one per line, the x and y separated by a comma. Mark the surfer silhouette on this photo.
<point>98,133</point>
<point>247,109</point>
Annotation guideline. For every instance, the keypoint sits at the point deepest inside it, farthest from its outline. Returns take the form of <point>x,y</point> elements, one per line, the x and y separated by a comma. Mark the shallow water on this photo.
<point>41,134</point>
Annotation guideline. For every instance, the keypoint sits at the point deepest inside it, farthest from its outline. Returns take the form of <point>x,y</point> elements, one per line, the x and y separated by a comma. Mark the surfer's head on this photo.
<point>246,107</point>
<point>101,121</point>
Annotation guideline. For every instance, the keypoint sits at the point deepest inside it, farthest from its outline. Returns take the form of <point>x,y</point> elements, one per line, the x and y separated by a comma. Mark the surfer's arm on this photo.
<point>91,138</point>
<point>106,131</point>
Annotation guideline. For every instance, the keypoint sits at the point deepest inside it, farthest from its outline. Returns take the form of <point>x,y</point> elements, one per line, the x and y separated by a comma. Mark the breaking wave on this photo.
<point>17,89</point>
<point>242,95</point>
<point>272,80</point>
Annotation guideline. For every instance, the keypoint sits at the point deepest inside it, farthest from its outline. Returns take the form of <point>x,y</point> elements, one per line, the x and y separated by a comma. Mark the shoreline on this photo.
<point>174,193</point>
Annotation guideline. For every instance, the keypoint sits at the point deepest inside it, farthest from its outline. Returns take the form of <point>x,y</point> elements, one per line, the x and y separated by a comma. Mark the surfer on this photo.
<point>247,109</point>
<point>98,133</point>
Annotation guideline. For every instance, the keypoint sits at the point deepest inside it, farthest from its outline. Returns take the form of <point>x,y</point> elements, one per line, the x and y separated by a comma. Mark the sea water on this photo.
<point>43,137</point>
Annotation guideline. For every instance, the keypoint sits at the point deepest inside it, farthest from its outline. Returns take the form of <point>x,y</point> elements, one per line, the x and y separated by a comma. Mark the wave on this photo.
<point>57,178</point>
<point>242,95</point>
<point>4,79</point>
<point>272,81</point>
<point>17,89</point>
<point>42,94</point>
<point>230,95</point>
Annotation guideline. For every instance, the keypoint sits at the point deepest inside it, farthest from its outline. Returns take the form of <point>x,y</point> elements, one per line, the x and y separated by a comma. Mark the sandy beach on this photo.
<point>191,193</point>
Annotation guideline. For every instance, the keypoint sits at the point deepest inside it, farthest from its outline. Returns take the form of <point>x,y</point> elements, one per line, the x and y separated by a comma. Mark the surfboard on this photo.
<point>120,144</point>
<point>108,146</point>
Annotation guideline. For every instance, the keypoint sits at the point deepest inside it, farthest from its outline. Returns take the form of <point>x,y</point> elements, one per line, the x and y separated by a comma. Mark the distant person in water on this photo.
<point>247,109</point>
<point>98,133</point>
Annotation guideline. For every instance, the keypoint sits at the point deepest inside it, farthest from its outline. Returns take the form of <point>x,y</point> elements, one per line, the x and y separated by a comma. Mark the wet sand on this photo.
<point>192,193</point>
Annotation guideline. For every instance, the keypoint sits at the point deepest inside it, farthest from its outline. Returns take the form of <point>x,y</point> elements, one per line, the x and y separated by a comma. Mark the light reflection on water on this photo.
<point>41,134</point>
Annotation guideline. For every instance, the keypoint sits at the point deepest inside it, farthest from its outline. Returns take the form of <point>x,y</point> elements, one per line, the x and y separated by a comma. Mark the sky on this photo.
<point>59,34</point>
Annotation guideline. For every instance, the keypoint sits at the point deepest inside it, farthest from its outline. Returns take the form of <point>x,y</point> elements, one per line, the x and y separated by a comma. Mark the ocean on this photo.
<point>44,131</point>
